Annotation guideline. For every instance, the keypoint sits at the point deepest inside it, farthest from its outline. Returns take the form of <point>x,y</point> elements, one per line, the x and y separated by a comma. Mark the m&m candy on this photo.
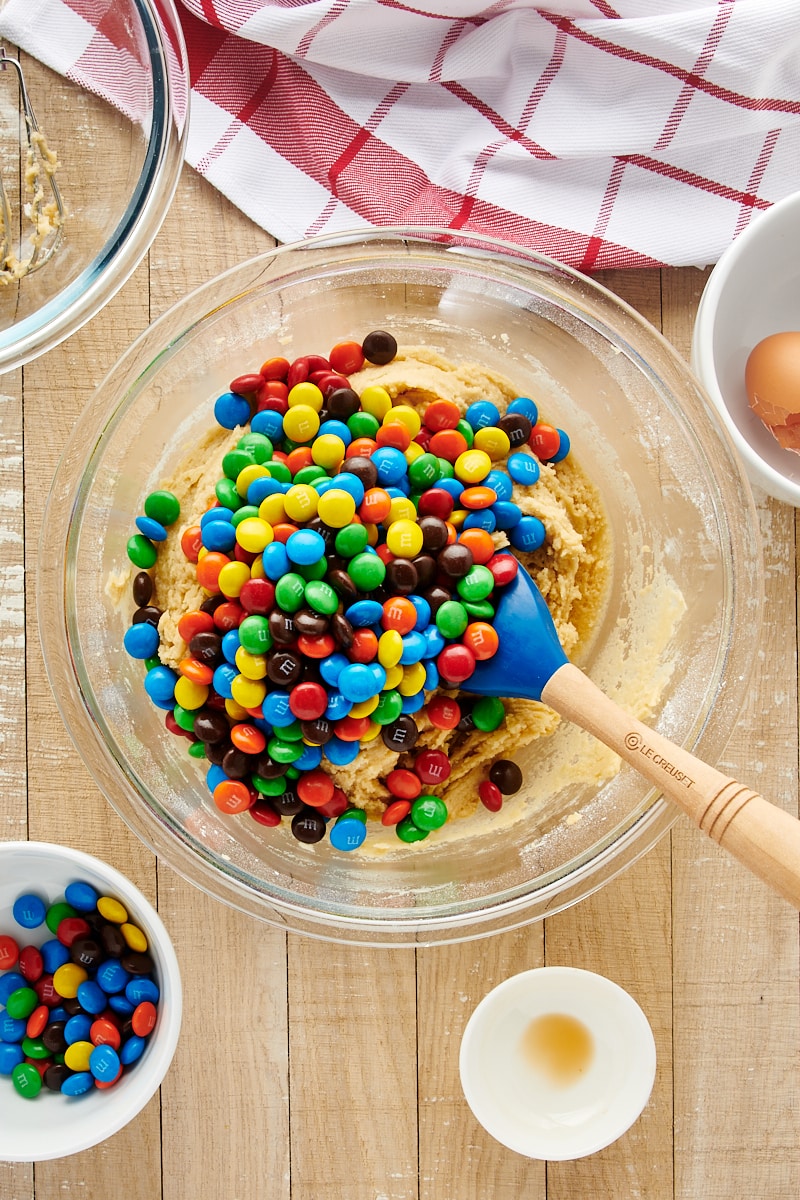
<point>350,564</point>
<point>80,1009</point>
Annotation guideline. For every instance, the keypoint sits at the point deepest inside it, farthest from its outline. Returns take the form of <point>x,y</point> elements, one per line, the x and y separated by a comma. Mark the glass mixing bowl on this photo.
<point>117,171</point>
<point>684,536</point>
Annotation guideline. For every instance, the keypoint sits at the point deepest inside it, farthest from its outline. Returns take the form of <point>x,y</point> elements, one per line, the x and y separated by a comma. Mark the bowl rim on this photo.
<point>642,829</point>
<point>141,1089</point>
<point>144,214</point>
<point>773,481</point>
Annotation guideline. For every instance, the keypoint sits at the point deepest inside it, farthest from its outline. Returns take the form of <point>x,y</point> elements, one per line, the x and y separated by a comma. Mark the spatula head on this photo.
<point>530,651</point>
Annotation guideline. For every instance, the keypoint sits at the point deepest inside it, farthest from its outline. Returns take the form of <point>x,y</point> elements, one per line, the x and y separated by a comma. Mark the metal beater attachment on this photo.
<point>28,245</point>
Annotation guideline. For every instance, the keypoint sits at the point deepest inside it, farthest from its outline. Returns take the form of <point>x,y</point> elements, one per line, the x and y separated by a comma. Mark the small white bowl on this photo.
<point>753,291</point>
<point>53,1125</point>
<point>557,1062</point>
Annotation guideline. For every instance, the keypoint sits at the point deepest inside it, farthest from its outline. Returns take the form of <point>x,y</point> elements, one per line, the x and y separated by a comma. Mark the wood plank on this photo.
<point>737,1033</point>
<point>458,1158</point>
<point>466,1162</point>
<point>225,1115</point>
<point>64,804</point>
<point>16,1179</point>
<point>737,1097</point>
<point>624,933</point>
<point>202,236</point>
<point>353,1077</point>
<point>681,290</point>
<point>345,1060</point>
<point>232,1059</point>
<point>13,782</point>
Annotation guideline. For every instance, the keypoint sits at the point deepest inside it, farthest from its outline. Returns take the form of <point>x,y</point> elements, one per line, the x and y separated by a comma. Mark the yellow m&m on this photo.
<point>301,423</point>
<point>68,978</point>
<point>247,475</point>
<point>365,707</point>
<point>375,400</point>
<point>254,534</point>
<point>390,648</point>
<point>134,938</point>
<point>413,680</point>
<point>394,676</point>
<point>300,502</point>
<point>401,509</point>
<point>272,509</point>
<point>305,395</point>
<point>235,711</point>
<point>77,1055</point>
<point>472,466</point>
<point>252,666</point>
<point>112,910</point>
<point>328,450</point>
<point>190,695</point>
<point>404,539</point>
<point>493,441</point>
<point>336,508</point>
<point>247,692</point>
<point>233,577</point>
<point>404,414</point>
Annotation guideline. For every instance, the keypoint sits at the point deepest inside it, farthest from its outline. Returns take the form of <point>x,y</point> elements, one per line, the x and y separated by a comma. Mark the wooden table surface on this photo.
<point>309,1071</point>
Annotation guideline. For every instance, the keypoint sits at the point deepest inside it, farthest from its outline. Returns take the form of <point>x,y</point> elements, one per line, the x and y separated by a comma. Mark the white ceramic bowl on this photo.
<point>753,291</point>
<point>557,1063</point>
<point>53,1125</point>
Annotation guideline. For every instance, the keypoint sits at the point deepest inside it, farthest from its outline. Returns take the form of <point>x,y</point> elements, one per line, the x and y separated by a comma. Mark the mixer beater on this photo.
<point>30,240</point>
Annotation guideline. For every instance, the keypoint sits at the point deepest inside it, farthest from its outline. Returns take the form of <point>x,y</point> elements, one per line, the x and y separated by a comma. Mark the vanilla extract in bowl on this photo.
<point>559,1046</point>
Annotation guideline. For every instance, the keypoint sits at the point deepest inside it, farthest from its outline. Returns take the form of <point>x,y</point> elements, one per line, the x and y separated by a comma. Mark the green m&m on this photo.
<point>162,506</point>
<point>451,619</point>
<point>407,831</point>
<point>428,812</point>
<point>488,713</point>
<point>141,551</point>
<point>26,1080</point>
<point>367,571</point>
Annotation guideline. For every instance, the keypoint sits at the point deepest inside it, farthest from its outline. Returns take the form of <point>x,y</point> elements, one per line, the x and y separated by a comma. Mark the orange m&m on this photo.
<point>400,614</point>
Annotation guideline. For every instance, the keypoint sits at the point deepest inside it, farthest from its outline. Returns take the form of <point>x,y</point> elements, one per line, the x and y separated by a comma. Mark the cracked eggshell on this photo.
<point>772,380</point>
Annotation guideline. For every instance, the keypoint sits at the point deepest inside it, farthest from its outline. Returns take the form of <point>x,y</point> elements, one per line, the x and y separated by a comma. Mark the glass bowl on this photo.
<point>684,580</point>
<point>117,171</point>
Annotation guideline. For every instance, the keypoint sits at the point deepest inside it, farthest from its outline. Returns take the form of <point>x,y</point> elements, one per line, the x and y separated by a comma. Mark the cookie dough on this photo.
<point>44,217</point>
<point>571,569</point>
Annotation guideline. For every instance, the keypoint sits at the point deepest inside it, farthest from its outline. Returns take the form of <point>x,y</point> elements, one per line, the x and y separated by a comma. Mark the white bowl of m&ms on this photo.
<point>274,552</point>
<point>90,1001</point>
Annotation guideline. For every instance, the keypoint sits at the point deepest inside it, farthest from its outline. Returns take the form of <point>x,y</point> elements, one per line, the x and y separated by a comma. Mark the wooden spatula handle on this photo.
<point>764,838</point>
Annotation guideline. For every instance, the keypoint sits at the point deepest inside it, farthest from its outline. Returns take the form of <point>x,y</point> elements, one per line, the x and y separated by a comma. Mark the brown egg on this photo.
<point>772,380</point>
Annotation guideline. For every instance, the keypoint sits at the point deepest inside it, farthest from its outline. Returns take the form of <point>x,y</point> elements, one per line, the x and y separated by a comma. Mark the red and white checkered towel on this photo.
<point>605,134</point>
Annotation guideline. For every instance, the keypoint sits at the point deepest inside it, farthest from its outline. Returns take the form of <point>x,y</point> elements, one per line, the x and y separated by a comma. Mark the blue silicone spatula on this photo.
<point>531,664</point>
